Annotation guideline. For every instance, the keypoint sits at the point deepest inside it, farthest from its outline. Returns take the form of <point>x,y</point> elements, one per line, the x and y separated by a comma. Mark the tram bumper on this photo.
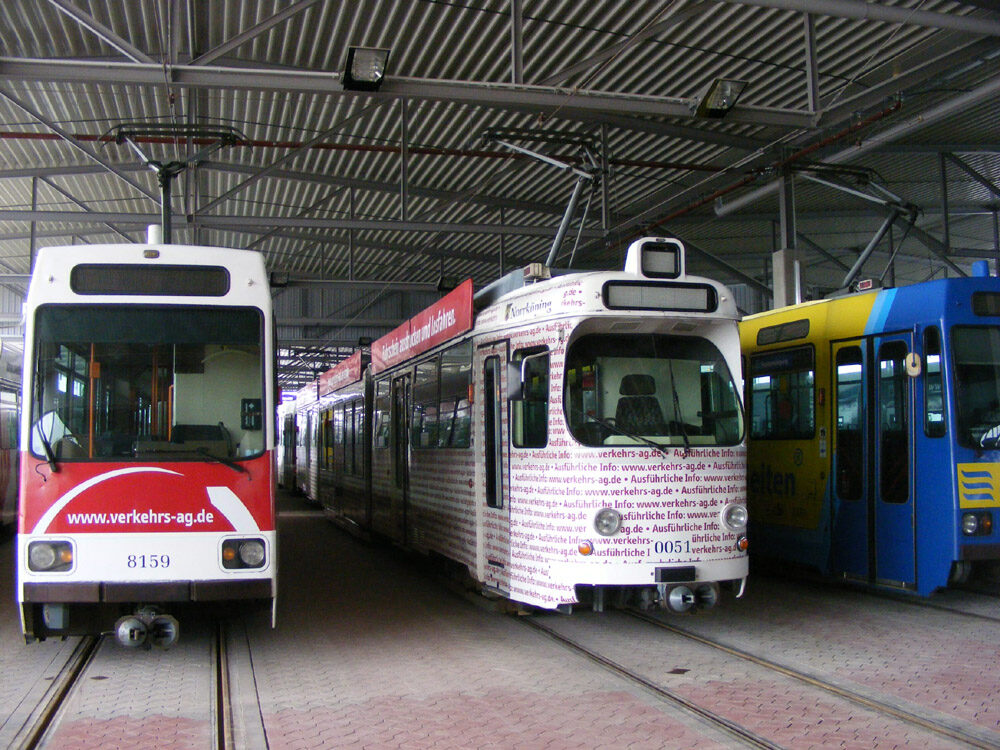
<point>84,608</point>
<point>677,588</point>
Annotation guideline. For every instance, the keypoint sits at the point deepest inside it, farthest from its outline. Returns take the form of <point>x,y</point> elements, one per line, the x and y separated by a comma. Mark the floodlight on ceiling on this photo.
<point>720,98</point>
<point>365,69</point>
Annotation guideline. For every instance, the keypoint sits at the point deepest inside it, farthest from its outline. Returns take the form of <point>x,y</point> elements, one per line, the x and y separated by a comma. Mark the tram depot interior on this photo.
<point>797,147</point>
<point>378,153</point>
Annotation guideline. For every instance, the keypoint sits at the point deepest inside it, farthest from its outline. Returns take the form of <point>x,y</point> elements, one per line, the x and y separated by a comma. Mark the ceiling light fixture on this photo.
<point>720,98</point>
<point>365,68</point>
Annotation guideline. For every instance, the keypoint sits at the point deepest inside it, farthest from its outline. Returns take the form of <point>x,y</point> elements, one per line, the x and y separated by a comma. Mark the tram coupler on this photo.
<point>146,628</point>
<point>684,598</point>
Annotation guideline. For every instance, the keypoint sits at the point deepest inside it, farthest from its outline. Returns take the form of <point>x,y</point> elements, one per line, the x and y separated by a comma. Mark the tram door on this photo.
<point>493,543</point>
<point>399,437</point>
<point>873,526</point>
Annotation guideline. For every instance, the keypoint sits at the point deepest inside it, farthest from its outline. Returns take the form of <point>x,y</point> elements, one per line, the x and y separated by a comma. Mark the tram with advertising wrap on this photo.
<point>146,446</point>
<point>874,450</point>
<point>564,437</point>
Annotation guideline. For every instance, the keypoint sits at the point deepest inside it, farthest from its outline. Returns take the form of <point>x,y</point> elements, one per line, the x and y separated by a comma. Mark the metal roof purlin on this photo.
<point>101,31</point>
<point>68,138</point>
<point>252,33</point>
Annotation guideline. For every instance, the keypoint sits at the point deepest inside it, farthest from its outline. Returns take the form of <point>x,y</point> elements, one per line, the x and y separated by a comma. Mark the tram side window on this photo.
<point>338,436</point>
<point>349,437</point>
<point>935,424</point>
<point>850,428</point>
<point>380,436</point>
<point>529,415</point>
<point>326,439</point>
<point>442,415</point>
<point>782,394</point>
<point>424,427</point>
<point>893,435</point>
<point>455,425</point>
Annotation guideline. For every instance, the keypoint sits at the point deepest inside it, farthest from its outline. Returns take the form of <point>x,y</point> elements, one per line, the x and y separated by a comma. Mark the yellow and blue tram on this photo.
<point>874,451</point>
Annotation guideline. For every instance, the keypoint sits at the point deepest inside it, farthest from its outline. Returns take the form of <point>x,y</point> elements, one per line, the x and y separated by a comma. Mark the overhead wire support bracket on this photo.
<point>211,137</point>
<point>583,176</point>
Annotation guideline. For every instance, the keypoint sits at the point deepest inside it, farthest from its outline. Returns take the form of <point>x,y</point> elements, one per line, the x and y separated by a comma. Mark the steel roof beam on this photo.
<point>84,207</point>
<point>388,187</point>
<point>936,148</point>
<point>261,173</point>
<point>868,11</point>
<point>239,223</point>
<point>974,174</point>
<point>953,106</point>
<point>68,170</point>
<point>492,201</point>
<point>614,50</point>
<point>76,144</point>
<point>920,71</point>
<point>105,34</point>
<point>535,99</point>
<point>252,32</point>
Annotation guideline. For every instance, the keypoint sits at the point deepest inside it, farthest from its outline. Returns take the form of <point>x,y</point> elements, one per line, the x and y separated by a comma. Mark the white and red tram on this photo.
<point>561,438</point>
<point>147,439</point>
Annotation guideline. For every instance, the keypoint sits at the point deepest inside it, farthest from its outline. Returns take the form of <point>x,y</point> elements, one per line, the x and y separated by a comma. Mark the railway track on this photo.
<point>44,713</point>
<point>951,731</point>
<point>55,718</point>
<point>741,734</point>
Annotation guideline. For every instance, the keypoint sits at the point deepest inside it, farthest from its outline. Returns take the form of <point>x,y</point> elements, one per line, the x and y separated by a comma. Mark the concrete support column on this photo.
<point>785,260</point>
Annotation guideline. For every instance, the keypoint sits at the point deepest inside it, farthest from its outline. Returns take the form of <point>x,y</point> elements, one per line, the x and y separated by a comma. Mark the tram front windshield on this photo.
<point>976,351</point>
<point>650,388</point>
<point>151,383</point>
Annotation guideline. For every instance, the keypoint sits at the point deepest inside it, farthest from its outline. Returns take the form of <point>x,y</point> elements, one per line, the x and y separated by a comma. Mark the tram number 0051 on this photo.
<point>148,561</point>
<point>672,548</point>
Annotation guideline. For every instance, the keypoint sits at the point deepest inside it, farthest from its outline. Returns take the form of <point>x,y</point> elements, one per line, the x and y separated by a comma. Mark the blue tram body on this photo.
<point>874,450</point>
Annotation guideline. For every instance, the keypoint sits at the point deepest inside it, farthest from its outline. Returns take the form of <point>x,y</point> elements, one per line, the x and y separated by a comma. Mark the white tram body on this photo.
<point>575,436</point>
<point>146,448</point>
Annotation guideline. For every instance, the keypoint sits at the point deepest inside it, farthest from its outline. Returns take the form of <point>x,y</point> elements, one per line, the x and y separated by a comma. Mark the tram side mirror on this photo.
<point>515,382</point>
<point>913,364</point>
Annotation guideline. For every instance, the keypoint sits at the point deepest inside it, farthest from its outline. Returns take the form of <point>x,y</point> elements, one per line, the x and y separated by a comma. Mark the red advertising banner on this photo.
<point>448,317</point>
<point>343,373</point>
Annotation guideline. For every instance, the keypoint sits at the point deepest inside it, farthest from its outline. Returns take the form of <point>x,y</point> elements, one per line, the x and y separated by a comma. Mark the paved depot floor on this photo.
<point>371,653</point>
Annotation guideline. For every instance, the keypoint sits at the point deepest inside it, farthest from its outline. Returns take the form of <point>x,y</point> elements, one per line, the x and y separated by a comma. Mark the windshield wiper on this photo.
<point>625,433</point>
<point>677,410</point>
<point>224,460</point>
<point>203,453</point>
<point>50,455</point>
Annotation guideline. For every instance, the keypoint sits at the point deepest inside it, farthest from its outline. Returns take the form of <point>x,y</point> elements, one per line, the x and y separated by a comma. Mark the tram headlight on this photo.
<point>734,517</point>
<point>243,553</point>
<point>50,556</point>
<point>252,553</point>
<point>977,524</point>
<point>607,521</point>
